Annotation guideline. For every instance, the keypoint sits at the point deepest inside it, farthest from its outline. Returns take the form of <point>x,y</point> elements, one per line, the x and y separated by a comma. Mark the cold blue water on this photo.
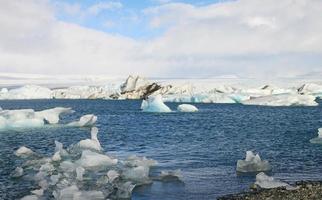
<point>204,145</point>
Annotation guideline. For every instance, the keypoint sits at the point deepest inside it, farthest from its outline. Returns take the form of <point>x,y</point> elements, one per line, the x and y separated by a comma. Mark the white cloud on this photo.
<point>101,6</point>
<point>245,37</point>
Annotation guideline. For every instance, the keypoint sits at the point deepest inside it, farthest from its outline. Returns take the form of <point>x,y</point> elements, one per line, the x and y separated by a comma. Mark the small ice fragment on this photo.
<point>18,172</point>
<point>54,179</point>
<point>252,163</point>
<point>85,121</point>
<point>187,108</point>
<point>124,191</point>
<point>317,140</point>
<point>134,161</point>
<point>92,143</point>
<point>155,104</point>
<point>170,175</point>
<point>30,197</point>
<point>264,181</point>
<point>90,159</point>
<point>39,192</point>
<point>79,173</point>
<point>56,156</point>
<point>23,152</point>
<point>138,174</point>
<point>112,175</point>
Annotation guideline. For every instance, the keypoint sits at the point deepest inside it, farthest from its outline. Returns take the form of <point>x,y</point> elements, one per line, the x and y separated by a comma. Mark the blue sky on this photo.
<point>127,20</point>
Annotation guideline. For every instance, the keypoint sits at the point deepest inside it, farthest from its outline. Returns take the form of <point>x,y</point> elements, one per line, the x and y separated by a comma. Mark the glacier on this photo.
<point>248,92</point>
<point>68,177</point>
<point>252,163</point>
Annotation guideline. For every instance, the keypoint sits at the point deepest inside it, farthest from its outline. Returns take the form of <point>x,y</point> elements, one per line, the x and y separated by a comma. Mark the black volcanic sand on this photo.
<point>304,190</point>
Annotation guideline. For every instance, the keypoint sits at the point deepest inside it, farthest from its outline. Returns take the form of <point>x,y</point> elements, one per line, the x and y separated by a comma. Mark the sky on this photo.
<point>162,38</point>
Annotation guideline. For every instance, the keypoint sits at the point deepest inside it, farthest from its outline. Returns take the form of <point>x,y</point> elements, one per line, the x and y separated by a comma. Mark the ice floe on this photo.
<point>84,173</point>
<point>267,182</point>
<point>187,108</point>
<point>252,163</point>
<point>24,118</point>
<point>155,104</point>
<point>85,121</point>
<point>283,100</point>
<point>318,139</point>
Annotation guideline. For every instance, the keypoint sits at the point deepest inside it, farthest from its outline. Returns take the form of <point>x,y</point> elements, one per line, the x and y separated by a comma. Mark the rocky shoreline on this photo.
<point>303,190</point>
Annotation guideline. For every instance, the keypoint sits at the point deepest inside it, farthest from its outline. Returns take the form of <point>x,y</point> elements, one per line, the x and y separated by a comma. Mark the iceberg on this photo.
<point>317,140</point>
<point>93,143</point>
<point>311,89</point>
<point>155,104</point>
<point>252,163</point>
<point>28,118</point>
<point>283,100</point>
<point>187,108</point>
<point>170,175</point>
<point>24,152</point>
<point>267,182</point>
<point>85,121</point>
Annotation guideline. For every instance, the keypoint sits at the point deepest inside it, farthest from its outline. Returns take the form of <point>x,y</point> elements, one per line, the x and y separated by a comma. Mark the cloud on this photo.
<point>101,6</point>
<point>247,37</point>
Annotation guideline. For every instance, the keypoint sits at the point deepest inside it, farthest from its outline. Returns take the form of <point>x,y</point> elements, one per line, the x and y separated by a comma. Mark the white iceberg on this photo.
<point>283,100</point>
<point>27,92</point>
<point>155,104</point>
<point>267,182</point>
<point>85,121</point>
<point>187,108</point>
<point>317,140</point>
<point>252,163</point>
<point>24,152</point>
<point>28,118</point>
<point>92,143</point>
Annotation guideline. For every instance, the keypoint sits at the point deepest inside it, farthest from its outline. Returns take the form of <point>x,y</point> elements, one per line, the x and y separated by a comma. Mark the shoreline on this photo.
<point>303,190</point>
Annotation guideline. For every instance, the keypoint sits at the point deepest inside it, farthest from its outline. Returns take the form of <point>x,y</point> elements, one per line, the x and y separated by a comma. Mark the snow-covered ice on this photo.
<point>252,163</point>
<point>267,182</point>
<point>155,104</point>
<point>283,100</point>
<point>187,108</point>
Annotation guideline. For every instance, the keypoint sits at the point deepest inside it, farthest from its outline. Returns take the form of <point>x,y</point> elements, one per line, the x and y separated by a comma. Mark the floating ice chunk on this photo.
<point>125,190</point>
<point>54,179</point>
<point>67,166</point>
<point>144,104</point>
<point>252,163</point>
<point>51,116</point>
<point>112,175</point>
<point>283,100</point>
<point>155,104</point>
<point>67,193</point>
<point>317,140</point>
<point>85,121</point>
<point>135,161</point>
<point>138,174</point>
<point>90,159</point>
<point>18,172</point>
<point>89,195</point>
<point>187,108</point>
<point>24,152</point>
<point>30,197</point>
<point>264,181</point>
<point>79,173</point>
<point>38,192</point>
<point>171,175</point>
<point>92,143</point>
